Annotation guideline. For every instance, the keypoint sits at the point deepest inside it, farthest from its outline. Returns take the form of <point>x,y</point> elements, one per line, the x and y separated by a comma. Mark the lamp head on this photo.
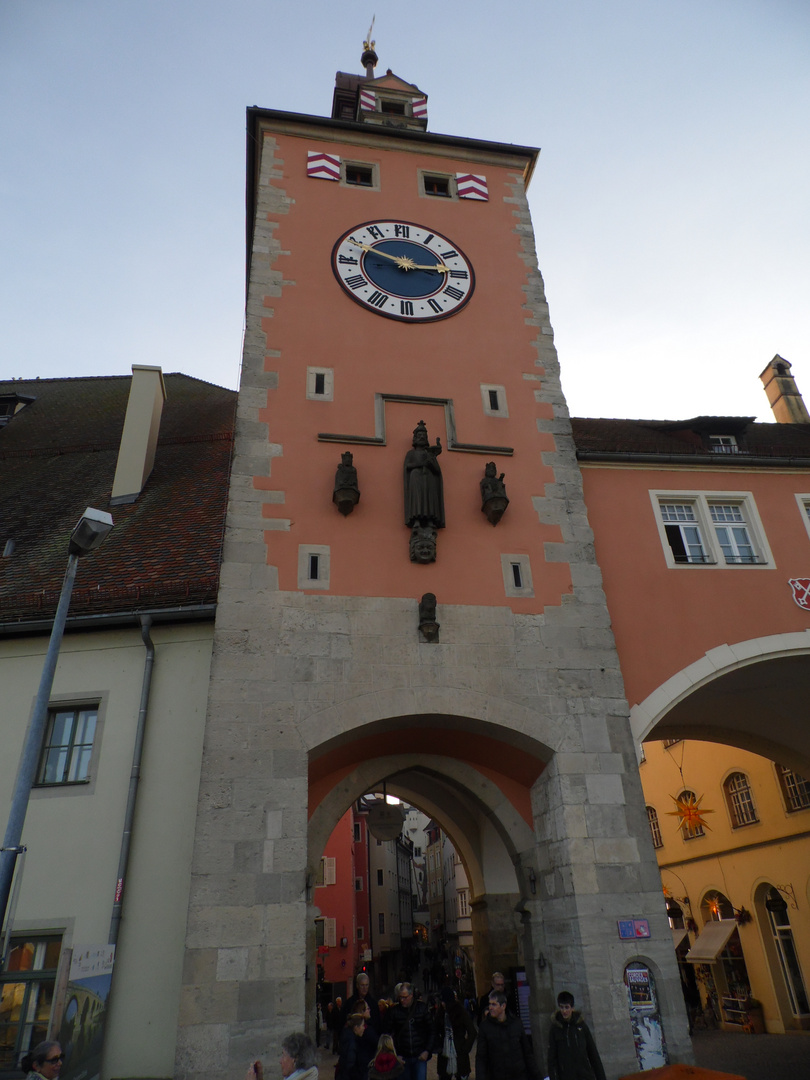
<point>91,531</point>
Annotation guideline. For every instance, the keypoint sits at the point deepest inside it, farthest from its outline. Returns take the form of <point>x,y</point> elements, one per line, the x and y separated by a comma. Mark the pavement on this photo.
<point>756,1057</point>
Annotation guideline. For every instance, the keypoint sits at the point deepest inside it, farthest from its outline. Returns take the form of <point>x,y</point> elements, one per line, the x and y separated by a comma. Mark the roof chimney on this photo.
<point>136,454</point>
<point>784,398</point>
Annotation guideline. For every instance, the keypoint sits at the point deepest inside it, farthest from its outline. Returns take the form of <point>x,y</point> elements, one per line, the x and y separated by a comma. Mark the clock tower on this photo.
<point>409,593</point>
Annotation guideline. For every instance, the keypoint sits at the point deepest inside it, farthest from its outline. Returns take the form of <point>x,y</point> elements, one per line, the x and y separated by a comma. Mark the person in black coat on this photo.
<point>454,1016</point>
<point>572,1053</point>
<point>504,1051</point>
<point>412,1027</point>
<point>363,997</point>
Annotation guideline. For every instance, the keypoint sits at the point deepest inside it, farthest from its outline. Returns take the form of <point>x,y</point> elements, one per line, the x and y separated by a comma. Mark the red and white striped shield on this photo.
<point>472,186</point>
<point>420,108</point>
<point>368,101</point>
<point>322,166</point>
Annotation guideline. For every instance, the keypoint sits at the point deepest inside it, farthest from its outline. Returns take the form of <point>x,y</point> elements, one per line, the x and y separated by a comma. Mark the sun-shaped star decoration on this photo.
<point>689,813</point>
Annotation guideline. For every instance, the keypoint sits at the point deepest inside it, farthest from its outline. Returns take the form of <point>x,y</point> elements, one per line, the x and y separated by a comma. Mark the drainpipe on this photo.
<point>134,778</point>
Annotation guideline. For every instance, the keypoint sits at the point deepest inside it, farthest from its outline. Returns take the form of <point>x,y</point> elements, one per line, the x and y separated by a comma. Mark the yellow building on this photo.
<point>736,879</point>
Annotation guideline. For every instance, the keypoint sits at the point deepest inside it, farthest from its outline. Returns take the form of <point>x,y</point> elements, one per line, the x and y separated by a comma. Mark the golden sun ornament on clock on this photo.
<point>690,814</point>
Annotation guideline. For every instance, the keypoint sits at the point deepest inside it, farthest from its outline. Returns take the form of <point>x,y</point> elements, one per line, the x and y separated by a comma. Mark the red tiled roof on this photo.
<point>689,439</point>
<point>58,455</point>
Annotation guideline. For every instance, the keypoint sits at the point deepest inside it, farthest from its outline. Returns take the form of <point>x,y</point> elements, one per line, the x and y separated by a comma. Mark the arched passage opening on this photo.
<point>476,784</point>
<point>751,695</point>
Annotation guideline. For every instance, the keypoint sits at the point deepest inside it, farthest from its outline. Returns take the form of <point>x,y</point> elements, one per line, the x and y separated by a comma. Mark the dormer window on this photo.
<point>10,405</point>
<point>391,107</point>
<point>723,444</point>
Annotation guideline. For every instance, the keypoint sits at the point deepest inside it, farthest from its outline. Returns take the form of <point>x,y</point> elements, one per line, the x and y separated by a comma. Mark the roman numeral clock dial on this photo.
<point>403,271</point>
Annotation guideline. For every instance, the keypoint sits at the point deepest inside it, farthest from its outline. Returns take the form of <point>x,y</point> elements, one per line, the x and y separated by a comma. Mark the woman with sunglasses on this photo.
<point>44,1062</point>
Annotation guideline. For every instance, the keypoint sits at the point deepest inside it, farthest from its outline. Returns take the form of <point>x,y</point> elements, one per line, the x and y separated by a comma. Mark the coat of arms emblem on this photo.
<point>801,591</point>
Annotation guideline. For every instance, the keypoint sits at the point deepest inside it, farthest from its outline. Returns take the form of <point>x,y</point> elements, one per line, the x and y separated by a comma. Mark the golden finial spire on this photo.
<point>368,43</point>
<point>369,57</point>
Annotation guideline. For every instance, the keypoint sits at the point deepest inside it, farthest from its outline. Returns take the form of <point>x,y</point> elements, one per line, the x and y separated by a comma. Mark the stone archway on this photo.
<point>494,840</point>
<point>751,695</point>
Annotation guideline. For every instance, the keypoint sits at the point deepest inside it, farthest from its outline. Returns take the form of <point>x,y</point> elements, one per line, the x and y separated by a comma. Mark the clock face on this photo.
<point>403,271</point>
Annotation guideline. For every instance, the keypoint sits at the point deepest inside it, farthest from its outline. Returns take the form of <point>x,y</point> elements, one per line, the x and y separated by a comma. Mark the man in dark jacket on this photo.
<point>572,1053</point>
<point>363,997</point>
<point>504,1052</point>
<point>414,1032</point>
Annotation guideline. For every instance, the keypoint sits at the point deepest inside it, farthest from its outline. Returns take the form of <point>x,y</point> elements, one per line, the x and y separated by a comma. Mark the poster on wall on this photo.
<point>82,1032</point>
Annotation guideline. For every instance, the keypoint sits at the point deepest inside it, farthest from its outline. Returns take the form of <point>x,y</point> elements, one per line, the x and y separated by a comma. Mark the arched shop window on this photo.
<point>779,920</point>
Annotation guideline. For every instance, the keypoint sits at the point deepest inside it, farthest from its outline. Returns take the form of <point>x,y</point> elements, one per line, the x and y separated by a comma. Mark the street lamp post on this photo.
<point>90,533</point>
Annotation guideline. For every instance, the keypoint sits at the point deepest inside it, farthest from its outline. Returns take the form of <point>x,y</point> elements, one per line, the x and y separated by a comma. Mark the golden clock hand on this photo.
<point>440,268</point>
<point>385,255</point>
<point>404,262</point>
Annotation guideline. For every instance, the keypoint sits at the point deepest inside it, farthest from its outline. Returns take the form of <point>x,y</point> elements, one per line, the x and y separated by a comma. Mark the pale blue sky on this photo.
<point>671,201</point>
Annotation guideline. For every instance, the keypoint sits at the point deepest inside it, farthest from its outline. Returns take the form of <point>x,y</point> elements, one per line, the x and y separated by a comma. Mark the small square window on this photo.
<point>364,174</point>
<point>438,185</point>
<point>320,384</point>
<point>313,566</point>
<point>360,175</point>
<point>493,399</point>
<point>517,575</point>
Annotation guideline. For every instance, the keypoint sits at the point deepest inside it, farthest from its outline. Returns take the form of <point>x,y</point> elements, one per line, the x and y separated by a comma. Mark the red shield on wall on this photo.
<point>801,591</point>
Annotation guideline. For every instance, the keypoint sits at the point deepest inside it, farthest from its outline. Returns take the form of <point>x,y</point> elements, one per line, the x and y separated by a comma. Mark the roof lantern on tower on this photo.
<point>385,101</point>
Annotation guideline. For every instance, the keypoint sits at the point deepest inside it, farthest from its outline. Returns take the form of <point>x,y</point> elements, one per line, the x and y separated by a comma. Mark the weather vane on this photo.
<point>368,43</point>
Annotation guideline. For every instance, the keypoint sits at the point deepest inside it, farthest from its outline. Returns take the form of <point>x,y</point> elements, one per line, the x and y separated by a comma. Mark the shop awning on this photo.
<point>711,941</point>
<point>678,936</point>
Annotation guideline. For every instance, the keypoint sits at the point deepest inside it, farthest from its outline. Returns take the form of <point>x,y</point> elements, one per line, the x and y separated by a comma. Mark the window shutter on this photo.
<point>329,873</point>
<point>330,932</point>
<point>472,186</point>
<point>322,166</point>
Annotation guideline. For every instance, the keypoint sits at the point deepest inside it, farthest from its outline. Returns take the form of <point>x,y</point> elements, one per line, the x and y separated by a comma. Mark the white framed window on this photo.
<point>358,884</point>
<point>320,384</point>
<point>732,532</point>
<point>494,400</point>
<point>804,509</point>
<point>361,932</point>
<point>795,789</point>
<point>723,444</point>
<point>655,827</point>
<point>710,529</point>
<point>739,800</point>
<point>313,566</point>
